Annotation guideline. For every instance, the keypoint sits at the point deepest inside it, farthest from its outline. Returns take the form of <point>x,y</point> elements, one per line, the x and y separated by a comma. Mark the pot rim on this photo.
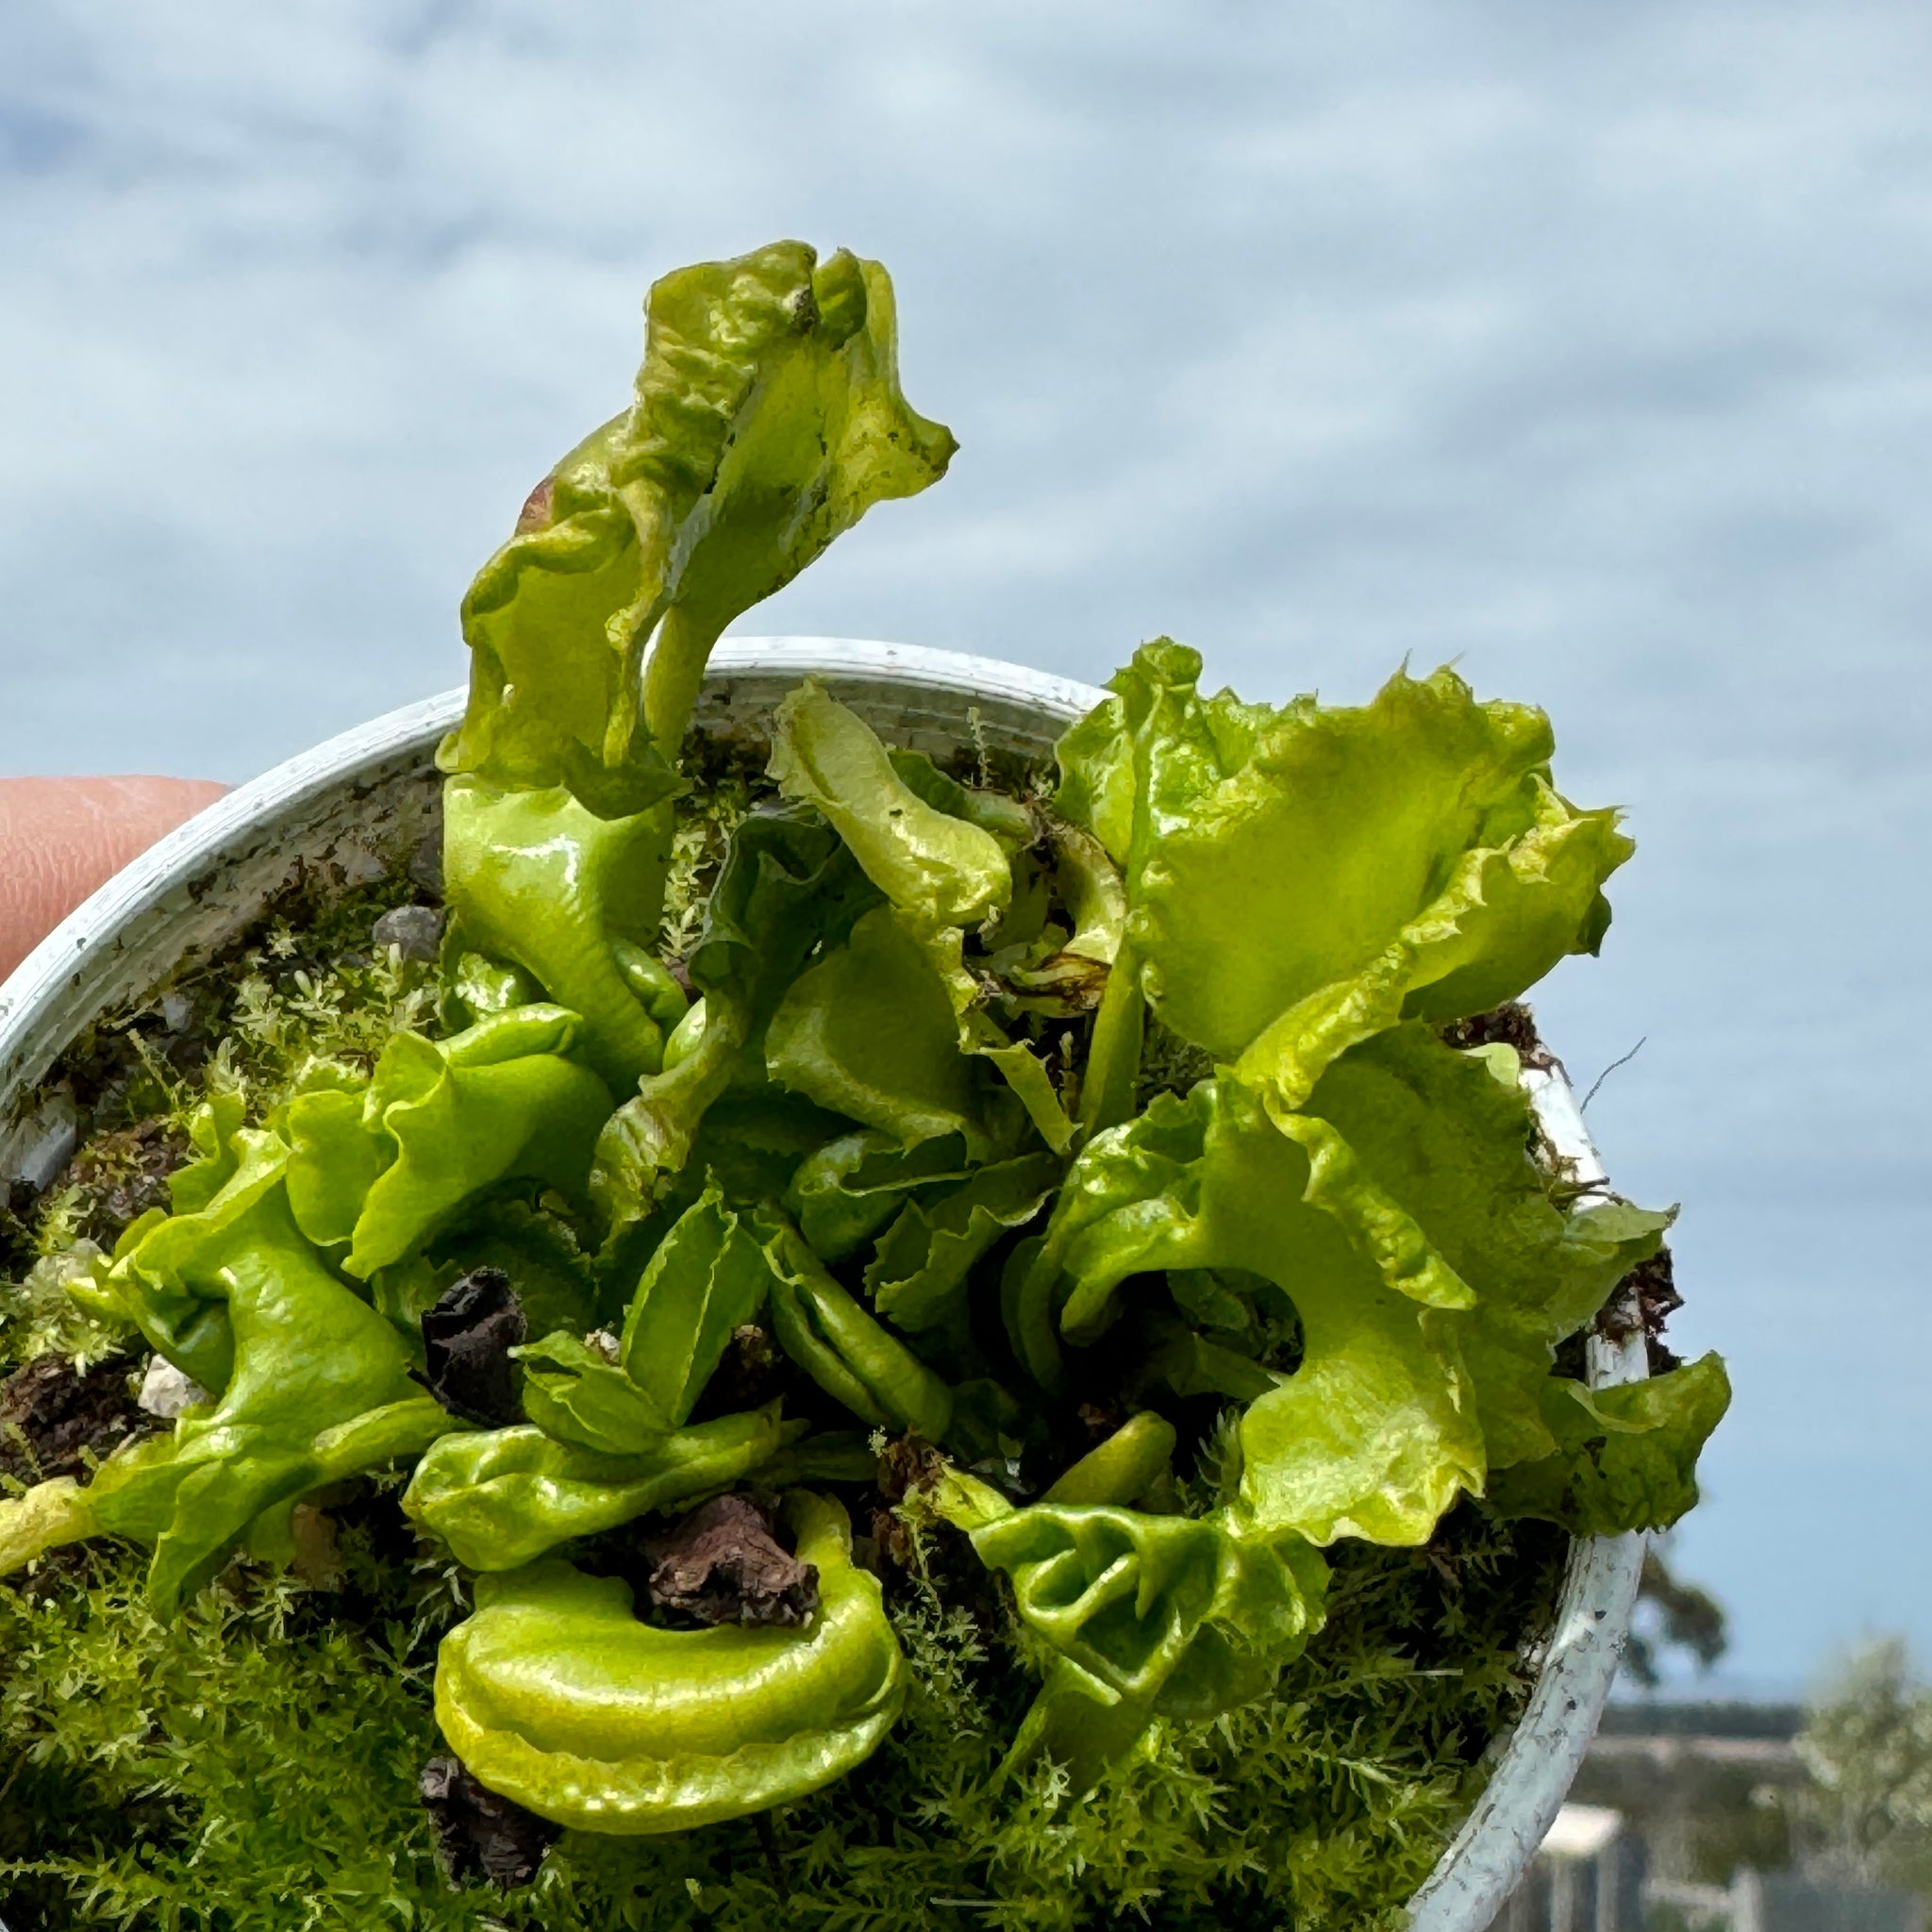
<point>96,957</point>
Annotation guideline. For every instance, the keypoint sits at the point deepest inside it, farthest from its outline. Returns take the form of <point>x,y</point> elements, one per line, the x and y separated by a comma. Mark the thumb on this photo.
<point>61,837</point>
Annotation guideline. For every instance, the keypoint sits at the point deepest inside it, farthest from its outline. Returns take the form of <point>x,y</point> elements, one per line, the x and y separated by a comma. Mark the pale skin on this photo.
<point>61,837</point>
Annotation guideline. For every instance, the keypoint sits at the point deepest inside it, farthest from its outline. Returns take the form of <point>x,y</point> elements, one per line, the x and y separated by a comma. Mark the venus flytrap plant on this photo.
<point>1096,1144</point>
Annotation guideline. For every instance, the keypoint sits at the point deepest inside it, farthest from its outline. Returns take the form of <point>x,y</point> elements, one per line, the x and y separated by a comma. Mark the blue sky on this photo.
<point>1587,346</point>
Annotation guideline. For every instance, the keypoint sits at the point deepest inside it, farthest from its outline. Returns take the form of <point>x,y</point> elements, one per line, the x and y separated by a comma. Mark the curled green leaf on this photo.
<point>1374,1434</point>
<point>918,1277</point>
<point>504,1497</point>
<point>1449,1142</point>
<point>848,1189</point>
<point>934,868</point>
<point>1147,1615</point>
<point>557,1696</point>
<point>1300,878</point>
<point>767,419</point>
<point>1625,1458</point>
<point>445,1119</point>
<point>854,1358</point>
<point>311,1383</point>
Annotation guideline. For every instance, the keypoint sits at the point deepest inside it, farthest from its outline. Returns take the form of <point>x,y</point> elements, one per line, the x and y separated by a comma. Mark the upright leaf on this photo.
<point>1300,878</point>
<point>767,419</point>
<point>572,900</point>
<point>934,868</point>
<point>854,1358</point>
<point>707,1276</point>
<point>788,884</point>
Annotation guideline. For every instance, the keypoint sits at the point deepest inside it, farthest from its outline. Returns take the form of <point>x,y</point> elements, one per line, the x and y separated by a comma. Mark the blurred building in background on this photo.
<point>1693,1816</point>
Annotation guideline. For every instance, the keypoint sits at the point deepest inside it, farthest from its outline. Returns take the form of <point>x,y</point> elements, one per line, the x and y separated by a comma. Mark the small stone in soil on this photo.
<point>415,931</point>
<point>51,1413</point>
<point>480,1834</point>
<point>467,1338</point>
<point>39,1148</point>
<point>166,1390</point>
<point>425,866</point>
<point>722,1565</point>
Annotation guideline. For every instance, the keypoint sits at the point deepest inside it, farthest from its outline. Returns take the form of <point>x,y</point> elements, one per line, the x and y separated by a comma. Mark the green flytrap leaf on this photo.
<point>935,867</point>
<point>500,1498</point>
<point>848,1189</point>
<point>571,900</point>
<point>309,1383</point>
<point>788,886</point>
<point>688,1728</point>
<point>869,1032</point>
<point>1447,1142</point>
<point>942,857</point>
<point>440,1122</point>
<point>767,419</point>
<point>1403,1218</point>
<point>918,1277</point>
<point>1300,878</point>
<point>708,1277</point>
<point>1374,1434</point>
<point>854,1358</point>
<point>1625,1458</point>
<point>576,1394</point>
<point>1145,1615</point>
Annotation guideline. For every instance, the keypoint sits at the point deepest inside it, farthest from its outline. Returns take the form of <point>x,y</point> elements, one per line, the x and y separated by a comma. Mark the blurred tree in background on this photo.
<point>1671,1615</point>
<point>1867,1814</point>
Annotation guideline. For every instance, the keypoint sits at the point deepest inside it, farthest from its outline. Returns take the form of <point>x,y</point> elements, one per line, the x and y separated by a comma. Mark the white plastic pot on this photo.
<point>345,801</point>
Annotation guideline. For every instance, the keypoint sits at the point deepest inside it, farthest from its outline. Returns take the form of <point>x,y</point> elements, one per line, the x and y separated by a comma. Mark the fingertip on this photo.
<point>61,838</point>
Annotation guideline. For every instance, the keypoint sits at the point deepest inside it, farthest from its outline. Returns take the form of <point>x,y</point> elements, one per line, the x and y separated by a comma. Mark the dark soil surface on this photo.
<point>1512,1023</point>
<point>53,1417</point>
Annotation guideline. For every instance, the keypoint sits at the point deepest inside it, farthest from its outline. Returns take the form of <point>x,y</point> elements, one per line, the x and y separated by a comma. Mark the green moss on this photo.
<point>706,821</point>
<point>254,1766</point>
<point>39,1317</point>
<point>287,1018</point>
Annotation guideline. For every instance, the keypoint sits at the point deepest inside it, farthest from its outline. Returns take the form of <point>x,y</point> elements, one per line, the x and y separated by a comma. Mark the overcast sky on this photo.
<point>1586,345</point>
